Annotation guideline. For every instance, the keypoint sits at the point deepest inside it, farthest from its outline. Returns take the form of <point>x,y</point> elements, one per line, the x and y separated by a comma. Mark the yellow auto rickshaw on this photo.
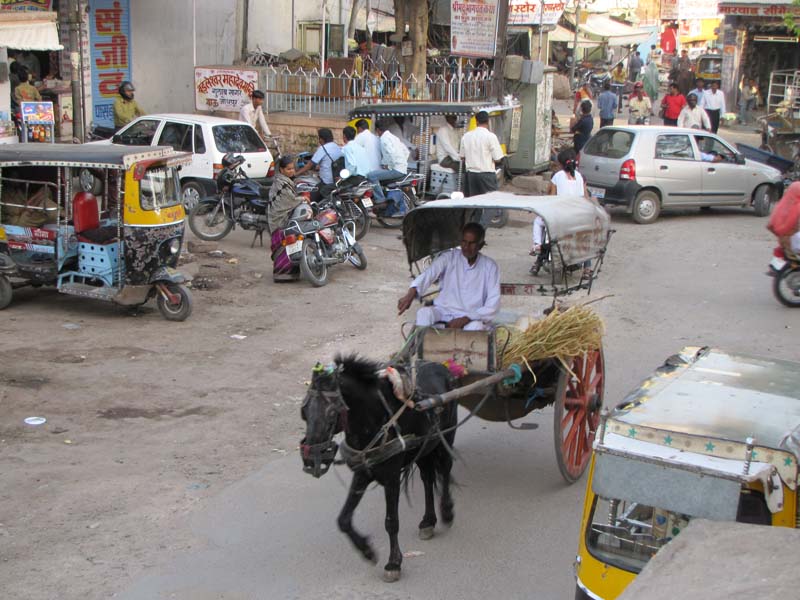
<point>121,245</point>
<point>709,435</point>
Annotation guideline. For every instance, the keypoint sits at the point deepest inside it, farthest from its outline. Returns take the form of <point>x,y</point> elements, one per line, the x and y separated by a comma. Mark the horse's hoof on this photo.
<point>391,576</point>
<point>370,555</point>
<point>425,533</point>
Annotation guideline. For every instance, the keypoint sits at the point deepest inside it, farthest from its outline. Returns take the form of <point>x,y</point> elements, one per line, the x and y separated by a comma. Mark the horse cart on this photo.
<point>493,384</point>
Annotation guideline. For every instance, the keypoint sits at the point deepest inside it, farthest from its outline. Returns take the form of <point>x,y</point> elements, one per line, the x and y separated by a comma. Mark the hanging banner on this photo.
<point>26,4</point>
<point>223,89</point>
<point>473,28</point>
<point>669,10</point>
<point>110,31</point>
<point>524,12</point>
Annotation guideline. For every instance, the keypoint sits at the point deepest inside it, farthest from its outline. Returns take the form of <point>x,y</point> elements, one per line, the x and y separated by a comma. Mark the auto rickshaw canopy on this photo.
<point>105,156</point>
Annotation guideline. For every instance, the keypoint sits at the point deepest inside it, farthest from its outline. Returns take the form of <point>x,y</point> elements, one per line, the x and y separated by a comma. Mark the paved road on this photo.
<point>688,279</point>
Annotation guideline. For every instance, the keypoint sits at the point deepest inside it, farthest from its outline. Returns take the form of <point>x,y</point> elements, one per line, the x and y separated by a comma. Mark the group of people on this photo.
<point>700,108</point>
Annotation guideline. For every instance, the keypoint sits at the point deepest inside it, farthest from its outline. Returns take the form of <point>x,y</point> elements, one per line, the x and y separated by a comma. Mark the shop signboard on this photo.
<point>669,10</point>
<point>778,10</point>
<point>698,9</point>
<point>26,4</point>
<point>223,89</point>
<point>473,28</point>
<point>110,31</point>
<point>38,121</point>
<point>533,12</point>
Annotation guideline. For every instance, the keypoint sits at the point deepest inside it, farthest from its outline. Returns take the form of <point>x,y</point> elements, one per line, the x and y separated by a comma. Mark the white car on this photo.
<point>208,139</point>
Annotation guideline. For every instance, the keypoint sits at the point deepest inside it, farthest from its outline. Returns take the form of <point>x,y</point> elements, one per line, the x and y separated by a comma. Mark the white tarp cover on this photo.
<point>562,34</point>
<point>29,31</point>
<point>616,33</point>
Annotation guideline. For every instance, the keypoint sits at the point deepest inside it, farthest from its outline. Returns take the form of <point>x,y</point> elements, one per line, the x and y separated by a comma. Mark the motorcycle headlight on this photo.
<point>175,246</point>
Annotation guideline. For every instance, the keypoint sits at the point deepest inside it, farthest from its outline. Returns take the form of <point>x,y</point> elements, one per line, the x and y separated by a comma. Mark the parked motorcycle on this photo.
<point>401,197</point>
<point>239,201</point>
<point>325,239</point>
<point>784,268</point>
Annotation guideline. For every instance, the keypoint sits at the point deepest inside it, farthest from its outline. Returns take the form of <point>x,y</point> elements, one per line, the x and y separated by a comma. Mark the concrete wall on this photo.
<point>270,21</point>
<point>162,48</point>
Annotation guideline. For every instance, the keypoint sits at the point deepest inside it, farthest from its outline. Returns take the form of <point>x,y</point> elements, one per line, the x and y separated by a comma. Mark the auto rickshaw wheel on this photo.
<point>579,399</point>
<point>179,311</point>
<point>6,292</point>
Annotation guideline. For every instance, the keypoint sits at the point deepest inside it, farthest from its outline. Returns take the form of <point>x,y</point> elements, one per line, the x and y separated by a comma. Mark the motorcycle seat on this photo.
<point>405,180</point>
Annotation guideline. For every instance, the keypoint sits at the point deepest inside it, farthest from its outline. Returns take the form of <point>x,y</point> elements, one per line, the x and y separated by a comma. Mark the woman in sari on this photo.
<point>282,201</point>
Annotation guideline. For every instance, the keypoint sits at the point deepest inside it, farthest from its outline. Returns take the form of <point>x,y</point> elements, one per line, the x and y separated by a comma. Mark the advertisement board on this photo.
<point>110,32</point>
<point>473,28</point>
<point>669,10</point>
<point>223,89</point>
<point>529,12</point>
<point>26,4</point>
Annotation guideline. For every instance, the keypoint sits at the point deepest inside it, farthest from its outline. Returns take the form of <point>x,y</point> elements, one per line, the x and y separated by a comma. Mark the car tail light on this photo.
<point>628,170</point>
<point>271,171</point>
<point>778,252</point>
<point>217,169</point>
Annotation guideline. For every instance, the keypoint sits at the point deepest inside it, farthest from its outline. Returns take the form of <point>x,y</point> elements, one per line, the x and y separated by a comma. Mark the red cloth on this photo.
<point>673,104</point>
<point>785,218</point>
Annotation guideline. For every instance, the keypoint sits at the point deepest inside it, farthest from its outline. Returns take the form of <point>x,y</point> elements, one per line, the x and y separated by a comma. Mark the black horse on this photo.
<point>382,442</point>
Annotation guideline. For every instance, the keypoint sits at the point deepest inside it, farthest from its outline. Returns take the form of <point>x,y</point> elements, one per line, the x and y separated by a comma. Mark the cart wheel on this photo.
<point>579,399</point>
<point>6,292</point>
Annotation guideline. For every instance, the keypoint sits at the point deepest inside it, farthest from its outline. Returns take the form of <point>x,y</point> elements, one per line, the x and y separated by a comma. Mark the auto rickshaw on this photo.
<point>709,435</point>
<point>121,246</point>
<point>709,68</point>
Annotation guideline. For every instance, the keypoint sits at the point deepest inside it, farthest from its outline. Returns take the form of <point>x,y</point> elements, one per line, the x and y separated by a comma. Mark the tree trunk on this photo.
<point>351,26</point>
<point>419,39</point>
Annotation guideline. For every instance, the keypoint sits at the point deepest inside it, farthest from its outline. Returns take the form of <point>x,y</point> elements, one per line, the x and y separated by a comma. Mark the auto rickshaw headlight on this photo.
<point>175,246</point>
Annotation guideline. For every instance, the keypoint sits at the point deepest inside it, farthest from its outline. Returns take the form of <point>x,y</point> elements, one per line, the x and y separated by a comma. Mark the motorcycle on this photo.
<point>401,197</point>
<point>784,268</point>
<point>239,201</point>
<point>325,239</point>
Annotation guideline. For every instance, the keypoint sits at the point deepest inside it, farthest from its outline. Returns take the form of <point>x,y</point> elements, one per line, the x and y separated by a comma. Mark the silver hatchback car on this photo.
<point>647,169</point>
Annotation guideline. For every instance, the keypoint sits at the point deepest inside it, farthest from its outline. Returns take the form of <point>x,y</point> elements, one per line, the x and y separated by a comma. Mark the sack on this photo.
<point>785,218</point>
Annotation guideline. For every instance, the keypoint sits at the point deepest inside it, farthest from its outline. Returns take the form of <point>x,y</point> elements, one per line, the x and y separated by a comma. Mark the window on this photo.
<point>140,133</point>
<point>237,138</point>
<point>199,142</point>
<point>710,145</point>
<point>676,147</point>
<point>159,189</point>
<point>177,135</point>
<point>609,143</point>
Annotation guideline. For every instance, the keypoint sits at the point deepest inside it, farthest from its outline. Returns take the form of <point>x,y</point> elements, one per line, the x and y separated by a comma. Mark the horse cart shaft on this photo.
<point>487,382</point>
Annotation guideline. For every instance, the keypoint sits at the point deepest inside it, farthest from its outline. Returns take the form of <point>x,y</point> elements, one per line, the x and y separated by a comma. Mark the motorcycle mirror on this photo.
<point>344,173</point>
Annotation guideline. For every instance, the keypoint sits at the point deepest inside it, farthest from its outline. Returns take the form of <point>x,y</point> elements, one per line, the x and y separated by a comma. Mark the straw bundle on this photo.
<point>559,335</point>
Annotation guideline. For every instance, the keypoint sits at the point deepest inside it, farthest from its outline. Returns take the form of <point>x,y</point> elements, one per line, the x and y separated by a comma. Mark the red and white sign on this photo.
<point>758,10</point>
<point>530,12</point>
<point>223,89</point>
<point>473,28</point>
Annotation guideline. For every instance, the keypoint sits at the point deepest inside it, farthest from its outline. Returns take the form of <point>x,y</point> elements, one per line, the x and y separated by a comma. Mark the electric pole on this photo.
<point>76,77</point>
<point>572,82</point>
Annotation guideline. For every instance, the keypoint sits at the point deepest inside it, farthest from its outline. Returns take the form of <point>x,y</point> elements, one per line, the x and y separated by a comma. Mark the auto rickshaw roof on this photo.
<point>85,155</point>
<point>413,109</point>
<point>436,226</point>
<point>715,395</point>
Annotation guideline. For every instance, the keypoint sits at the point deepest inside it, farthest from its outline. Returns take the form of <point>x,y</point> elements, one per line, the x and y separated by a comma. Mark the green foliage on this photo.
<point>792,22</point>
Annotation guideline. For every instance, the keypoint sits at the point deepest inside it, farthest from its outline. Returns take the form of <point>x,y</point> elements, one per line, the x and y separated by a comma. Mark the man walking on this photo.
<point>715,105</point>
<point>394,157</point>
<point>371,144</point>
<point>635,66</point>
<point>253,113</point>
<point>480,150</point>
<point>692,116</point>
<point>699,92</point>
<point>607,104</point>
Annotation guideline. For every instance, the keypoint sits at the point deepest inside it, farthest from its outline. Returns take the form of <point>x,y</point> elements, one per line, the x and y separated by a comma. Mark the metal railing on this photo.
<point>784,93</point>
<point>313,92</point>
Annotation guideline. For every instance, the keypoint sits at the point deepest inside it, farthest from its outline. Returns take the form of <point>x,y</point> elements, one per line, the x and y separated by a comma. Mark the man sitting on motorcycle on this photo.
<point>469,286</point>
<point>639,106</point>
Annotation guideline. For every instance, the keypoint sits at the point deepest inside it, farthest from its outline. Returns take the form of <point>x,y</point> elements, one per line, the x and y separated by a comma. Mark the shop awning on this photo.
<point>613,32</point>
<point>33,30</point>
<point>562,34</point>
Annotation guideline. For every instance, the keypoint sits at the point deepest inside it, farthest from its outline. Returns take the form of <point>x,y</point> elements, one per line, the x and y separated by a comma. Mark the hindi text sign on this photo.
<point>110,54</point>
<point>473,28</point>
<point>223,89</point>
<point>529,12</point>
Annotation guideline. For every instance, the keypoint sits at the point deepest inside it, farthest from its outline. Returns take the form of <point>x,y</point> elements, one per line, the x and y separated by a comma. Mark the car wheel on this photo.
<point>192,192</point>
<point>646,207</point>
<point>763,200</point>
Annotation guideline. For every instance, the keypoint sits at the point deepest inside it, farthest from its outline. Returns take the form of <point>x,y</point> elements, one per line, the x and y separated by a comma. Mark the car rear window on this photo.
<point>237,138</point>
<point>611,143</point>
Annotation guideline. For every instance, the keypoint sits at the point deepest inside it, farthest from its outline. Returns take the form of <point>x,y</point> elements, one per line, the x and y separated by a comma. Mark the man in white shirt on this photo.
<point>480,150</point>
<point>253,113</point>
<point>699,92</point>
<point>394,157</point>
<point>692,116</point>
<point>469,286</point>
<point>715,105</point>
<point>355,157</point>
<point>370,142</point>
<point>448,143</point>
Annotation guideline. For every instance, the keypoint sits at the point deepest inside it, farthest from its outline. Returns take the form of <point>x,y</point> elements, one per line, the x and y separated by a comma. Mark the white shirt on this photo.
<point>372,144</point>
<point>700,95</point>
<point>255,116</point>
<point>694,117</point>
<point>447,143</point>
<point>469,290</point>
<point>480,148</point>
<point>715,101</point>
<point>394,154</point>
<point>568,187</point>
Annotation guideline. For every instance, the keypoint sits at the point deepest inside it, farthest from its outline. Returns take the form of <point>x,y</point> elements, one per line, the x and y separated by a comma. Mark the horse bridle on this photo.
<point>317,458</point>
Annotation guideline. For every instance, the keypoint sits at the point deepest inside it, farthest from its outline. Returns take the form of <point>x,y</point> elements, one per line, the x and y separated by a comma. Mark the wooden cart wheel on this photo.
<point>579,399</point>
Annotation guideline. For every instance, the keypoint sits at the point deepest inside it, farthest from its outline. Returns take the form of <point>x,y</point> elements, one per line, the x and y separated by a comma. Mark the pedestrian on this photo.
<point>323,159</point>
<point>699,91</point>
<point>692,116</point>
<point>651,57</point>
<point>639,106</point>
<point>584,93</point>
<point>370,142</point>
<point>618,78</point>
<point>685,75</point>
<point>582,128</point>
<point>748,101</point>
<point>650,81</point>
<point>635,66</point>
<point>607,105</point>
<point>448,143</point>
<point>481,150</point>
<point>672,105</point>
<point>25,92</point>
<point>715,105</point>
<point>394,158</point>
<point>674,64</point>
<point>253,113</point>
<point>355,157</point>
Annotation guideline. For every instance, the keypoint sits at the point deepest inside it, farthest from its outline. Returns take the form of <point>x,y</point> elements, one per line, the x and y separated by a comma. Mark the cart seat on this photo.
<point>441,169</point>
<point>86,220</point>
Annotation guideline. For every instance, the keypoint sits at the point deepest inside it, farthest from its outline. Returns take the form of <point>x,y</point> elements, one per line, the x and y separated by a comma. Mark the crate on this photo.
<point>443,181</point>
<point>100,261</point>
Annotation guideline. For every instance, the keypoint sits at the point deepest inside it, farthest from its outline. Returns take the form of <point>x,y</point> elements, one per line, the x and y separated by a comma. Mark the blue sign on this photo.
<point>110,31</point>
